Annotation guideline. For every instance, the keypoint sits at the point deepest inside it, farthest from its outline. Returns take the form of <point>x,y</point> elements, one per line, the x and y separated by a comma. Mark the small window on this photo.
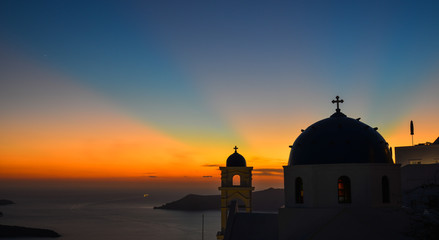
<point>344,190</point>
<point>236,180</point>
<point>299,190</point>
<point>385,189</point>
<point>415,161</point>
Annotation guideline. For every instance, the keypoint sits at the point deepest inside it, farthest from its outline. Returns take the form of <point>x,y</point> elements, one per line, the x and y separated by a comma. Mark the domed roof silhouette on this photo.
<point>339,139</point>
<point>236,160</point>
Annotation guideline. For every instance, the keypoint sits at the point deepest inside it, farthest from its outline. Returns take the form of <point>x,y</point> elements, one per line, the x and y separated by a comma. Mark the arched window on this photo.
<point>299,190</point>
<point>344,190</point>
<point>236,180</point>
<point>385,189</point>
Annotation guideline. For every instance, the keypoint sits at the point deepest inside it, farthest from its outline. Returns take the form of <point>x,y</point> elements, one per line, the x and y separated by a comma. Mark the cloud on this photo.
<point>152,176</point>
<point>207,176</point>
<point>210,165</point>
<point>268,172</point>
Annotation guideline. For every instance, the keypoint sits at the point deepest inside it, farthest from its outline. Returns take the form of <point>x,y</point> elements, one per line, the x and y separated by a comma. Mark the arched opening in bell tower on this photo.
<point>236,181</point>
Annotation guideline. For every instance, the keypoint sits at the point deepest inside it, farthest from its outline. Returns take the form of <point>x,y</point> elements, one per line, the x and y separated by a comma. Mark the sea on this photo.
<point>92,215</point>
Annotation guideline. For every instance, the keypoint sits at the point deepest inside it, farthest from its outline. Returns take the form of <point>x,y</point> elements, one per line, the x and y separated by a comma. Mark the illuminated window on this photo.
<point>344,190</point>
<point>299,190</point>
<point>385,189</point>
<point>236,180</point>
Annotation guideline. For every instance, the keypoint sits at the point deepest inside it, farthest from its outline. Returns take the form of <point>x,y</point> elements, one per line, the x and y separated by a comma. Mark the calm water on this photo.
<point>99,216</point>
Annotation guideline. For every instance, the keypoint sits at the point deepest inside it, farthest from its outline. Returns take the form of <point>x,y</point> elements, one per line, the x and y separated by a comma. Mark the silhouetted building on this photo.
<point>426,153</point>
<point>420,164</point>
<point>340,183</point>
<point>337,165</point>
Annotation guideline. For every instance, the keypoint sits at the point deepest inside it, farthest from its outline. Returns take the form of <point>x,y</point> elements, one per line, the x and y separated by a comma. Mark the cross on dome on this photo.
<point>236,148</point>
<point>338,102</point>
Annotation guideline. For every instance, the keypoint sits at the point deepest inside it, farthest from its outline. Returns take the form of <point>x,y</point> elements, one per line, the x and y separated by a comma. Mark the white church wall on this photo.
<point>320,184</point>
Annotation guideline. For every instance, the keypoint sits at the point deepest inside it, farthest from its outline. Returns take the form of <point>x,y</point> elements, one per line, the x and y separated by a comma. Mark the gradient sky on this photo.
<point>163,90</point>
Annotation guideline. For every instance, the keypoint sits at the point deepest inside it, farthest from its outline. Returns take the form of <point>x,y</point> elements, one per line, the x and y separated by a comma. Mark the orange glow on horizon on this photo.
<point>83,135</point>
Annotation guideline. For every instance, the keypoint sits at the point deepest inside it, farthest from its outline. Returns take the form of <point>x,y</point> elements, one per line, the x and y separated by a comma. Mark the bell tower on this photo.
<point>236,185</point>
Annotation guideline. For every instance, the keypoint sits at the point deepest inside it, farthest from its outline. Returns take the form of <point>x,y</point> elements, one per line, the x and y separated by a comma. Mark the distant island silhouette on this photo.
<point>7,231</point>
<point>270,199</point>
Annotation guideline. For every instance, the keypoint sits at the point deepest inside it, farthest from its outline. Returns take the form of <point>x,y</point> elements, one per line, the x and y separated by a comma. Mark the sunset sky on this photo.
<point>163,90</point>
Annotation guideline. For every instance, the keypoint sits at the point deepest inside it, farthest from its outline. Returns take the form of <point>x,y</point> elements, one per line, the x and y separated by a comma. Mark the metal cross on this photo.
<point>337,101</point>
<point>236,148</point>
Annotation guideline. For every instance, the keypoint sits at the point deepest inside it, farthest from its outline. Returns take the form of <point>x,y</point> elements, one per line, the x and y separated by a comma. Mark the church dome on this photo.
<point>339,139</point>
<point>236,160</point>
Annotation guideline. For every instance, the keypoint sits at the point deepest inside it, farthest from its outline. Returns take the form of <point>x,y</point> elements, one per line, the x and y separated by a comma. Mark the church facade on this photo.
<point>341,161</point>
<point>340,182</point>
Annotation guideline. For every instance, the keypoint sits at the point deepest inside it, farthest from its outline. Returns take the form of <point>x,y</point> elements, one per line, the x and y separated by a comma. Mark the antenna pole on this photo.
<point>412,130</point>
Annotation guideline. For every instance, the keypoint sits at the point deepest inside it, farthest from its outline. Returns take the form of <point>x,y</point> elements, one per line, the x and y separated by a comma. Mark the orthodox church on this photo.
<point>340,183</point>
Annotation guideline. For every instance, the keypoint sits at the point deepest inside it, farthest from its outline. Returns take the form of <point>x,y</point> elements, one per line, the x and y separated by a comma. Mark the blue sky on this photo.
<point>223,70</point>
